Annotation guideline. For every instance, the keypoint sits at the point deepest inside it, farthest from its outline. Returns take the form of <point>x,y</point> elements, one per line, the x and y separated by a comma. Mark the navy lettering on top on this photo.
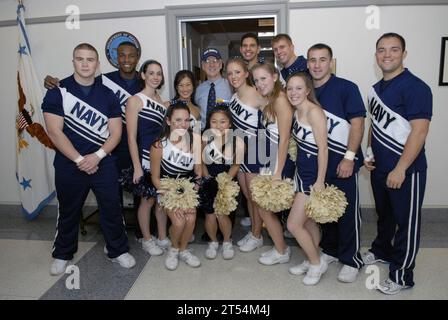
<point>341,101</point>
<point>391,108</point>
<point>85,117</point>
<point>123,88</point>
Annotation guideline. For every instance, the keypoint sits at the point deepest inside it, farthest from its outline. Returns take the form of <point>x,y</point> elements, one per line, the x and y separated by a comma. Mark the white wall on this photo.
<point>354,46</point>
<point>52,46</point>
<point>341,28</point>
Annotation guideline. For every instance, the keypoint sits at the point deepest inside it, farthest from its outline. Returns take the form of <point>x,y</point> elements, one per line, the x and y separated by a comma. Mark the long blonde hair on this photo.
<point>268,112</point>
<point>243,65</point>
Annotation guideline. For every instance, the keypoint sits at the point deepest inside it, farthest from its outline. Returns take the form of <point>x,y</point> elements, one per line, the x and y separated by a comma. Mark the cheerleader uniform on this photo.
<point>306,163</point>
<point>149,126</point>
<point>175,163</point>
<point>216,163</point>
<point>123,89</point>
<point>247,122</point>
<point>272,143</point>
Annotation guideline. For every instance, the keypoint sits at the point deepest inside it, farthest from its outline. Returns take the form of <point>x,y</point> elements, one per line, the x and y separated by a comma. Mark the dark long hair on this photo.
<point>209,138</point>
<point>143,69</point>
<point>166,130</point>
<point>180,75</point>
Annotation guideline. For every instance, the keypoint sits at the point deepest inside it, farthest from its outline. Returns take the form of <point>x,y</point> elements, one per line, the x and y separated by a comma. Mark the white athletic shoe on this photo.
<point>251,244</point>
<point>348,274</point>
<point>300,269</point>
<point>314,273</point>
<point>151,247</point>
<point>244,239</point>
<point>172,259</point>
<point>212,250</point>
<point>245,222</point>
<point>58,267</point>
<point>125,260</point>
<point>275,257</point>
<point>227,250</point>
<point>189,258</point>
<point>328,259</point>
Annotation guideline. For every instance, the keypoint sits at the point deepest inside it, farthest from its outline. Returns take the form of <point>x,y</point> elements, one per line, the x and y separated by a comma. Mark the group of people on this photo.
<point>93,121</point>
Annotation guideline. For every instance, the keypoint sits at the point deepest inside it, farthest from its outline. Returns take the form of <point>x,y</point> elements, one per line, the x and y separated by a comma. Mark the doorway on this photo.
<point>225,35</point>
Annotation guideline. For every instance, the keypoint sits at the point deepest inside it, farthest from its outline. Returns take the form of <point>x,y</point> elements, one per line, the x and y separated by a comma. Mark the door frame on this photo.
<point>177,14</point>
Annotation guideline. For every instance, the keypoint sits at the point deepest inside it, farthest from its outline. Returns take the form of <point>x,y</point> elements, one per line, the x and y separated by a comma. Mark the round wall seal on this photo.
<point>114,41</point>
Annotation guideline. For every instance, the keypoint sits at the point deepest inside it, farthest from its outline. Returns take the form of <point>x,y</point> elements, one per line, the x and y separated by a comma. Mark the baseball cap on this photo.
<point>210,52</point>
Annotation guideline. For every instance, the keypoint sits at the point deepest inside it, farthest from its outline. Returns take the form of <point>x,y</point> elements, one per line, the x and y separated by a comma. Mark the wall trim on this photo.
<point>363,3</point>
<point>291,5</point>
<point>89,17</point>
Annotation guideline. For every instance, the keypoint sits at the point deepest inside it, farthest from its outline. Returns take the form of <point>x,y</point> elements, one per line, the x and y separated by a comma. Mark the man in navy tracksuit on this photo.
<point>83,119</point>
<point>400,107</point>
<point>345,111</point>
<point>125,83</point>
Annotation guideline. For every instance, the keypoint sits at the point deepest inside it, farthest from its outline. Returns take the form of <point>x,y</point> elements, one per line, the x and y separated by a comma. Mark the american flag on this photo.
<point>23,120</point>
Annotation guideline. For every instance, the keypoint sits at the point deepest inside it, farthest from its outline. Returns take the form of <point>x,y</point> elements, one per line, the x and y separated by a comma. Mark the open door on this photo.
<point>224,34</point>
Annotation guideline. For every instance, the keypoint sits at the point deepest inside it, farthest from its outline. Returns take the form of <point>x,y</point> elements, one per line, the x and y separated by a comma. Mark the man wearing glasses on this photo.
<point>215,88</point>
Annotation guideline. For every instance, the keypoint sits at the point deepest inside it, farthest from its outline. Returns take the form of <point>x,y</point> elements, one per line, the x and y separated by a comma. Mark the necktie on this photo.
<point>211,102</point>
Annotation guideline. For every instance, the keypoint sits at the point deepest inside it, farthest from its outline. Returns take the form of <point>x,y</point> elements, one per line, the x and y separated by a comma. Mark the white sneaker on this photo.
<point>245,222</point>
<point>267,253</point>
<point>370,258</point>
<point>389,287</point>
<point>151,247</point>
<point>58,267</point>
<point>189,258</point>
<point>244,239</point>
<point>164,244</point>
<point>348,274</point>
<point>300,269</point>
<point>251,244</point>
<point>275,257</point>
<point>314,273</point>
<point>328,259</point>
<point>212,250</point>
<point>192,238</point>
<point>172,259</point>
<point>125,260</point>
<point>288,234</point>
<point>227,250</point>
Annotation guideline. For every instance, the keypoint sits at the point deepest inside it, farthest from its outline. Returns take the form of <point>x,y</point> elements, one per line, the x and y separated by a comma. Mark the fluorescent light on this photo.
<point>265,34</point>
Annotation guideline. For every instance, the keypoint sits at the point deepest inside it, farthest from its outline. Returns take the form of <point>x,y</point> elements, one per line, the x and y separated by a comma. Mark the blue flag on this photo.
<point>34,172</point>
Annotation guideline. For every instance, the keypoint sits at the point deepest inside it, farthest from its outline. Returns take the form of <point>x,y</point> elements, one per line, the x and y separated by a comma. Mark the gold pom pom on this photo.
<point>274,196</point>
<point>179,193</point>
<point>292,149</point>
<point>225,200</point>
<point>326,205</point>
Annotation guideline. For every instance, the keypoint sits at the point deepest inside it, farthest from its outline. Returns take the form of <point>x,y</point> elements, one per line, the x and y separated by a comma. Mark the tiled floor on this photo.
<point>25,255</point>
